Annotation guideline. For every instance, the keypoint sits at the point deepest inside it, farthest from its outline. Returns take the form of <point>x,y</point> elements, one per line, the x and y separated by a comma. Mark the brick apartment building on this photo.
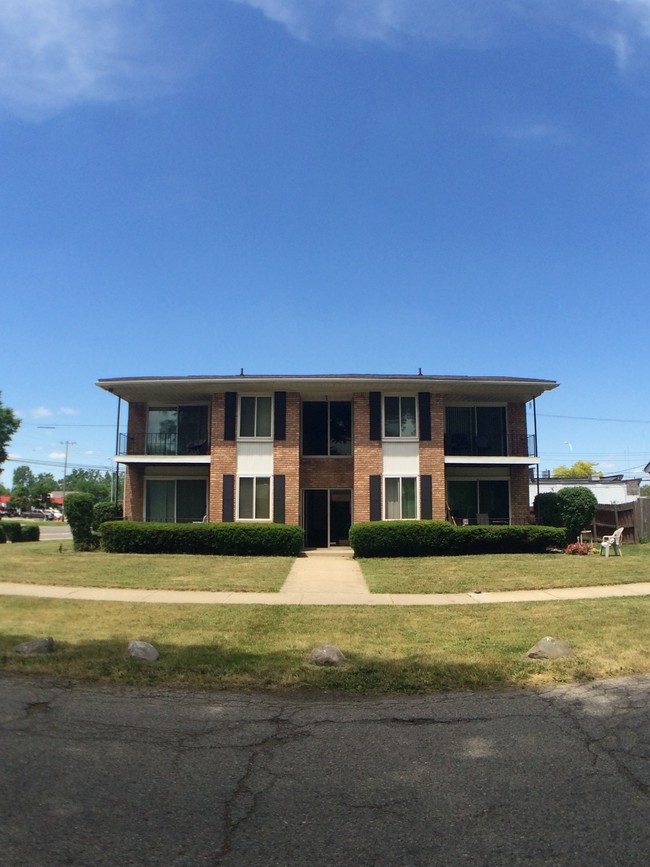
<point>326,451</point>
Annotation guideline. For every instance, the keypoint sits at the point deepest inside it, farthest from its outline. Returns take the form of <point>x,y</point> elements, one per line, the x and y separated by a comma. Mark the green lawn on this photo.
<point>504,572</point>
<point>406,649</point>
<point>57,563</point>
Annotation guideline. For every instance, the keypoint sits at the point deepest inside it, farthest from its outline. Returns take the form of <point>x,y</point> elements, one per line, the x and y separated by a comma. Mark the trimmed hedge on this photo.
<point>247,540</point>
<point>439,538</point>
<point>15,532</point>
<point>105,511</point>
<point>3,538</point>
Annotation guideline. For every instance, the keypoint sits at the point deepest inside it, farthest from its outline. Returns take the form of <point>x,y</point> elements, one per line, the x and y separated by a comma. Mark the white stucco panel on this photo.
<point>401,459</point>
<point>255,459</point>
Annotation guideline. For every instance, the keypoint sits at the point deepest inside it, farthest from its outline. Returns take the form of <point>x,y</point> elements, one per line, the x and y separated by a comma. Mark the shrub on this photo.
<point>105,511</point>
<point>3,538</point>
<point>437,538</point>
<point>547,510</point>
<point>577,508</point>
<point>135,537</point>
<point>15,532</point>
<point>30,533</point>
<point>79,514</point>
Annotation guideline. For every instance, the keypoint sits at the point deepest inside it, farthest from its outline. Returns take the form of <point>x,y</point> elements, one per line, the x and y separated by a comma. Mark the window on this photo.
<point>177,430</point>
<point>254,502</point>
<point>468,498</point>
<point>400,417</point>
<point>327,428</point>
<point>178,501</point>
<point>475,430</point>
<point>255,416</point>
<point>400,498</point>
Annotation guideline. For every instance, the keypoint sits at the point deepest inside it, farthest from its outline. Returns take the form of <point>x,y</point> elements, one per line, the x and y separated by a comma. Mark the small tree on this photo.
<point>547,510</point>
<point>577,509</point>
<point>579,470</point>
<point>79,513</point>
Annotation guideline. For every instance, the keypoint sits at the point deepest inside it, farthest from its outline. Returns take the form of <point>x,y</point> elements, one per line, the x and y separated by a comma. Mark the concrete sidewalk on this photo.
<point>321,577</point>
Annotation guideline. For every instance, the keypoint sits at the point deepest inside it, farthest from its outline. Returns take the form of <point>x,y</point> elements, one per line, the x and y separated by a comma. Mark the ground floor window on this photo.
<point>474,500</point>
<point>400,498</point>
<point>176,501</point>
<point>254,500</point>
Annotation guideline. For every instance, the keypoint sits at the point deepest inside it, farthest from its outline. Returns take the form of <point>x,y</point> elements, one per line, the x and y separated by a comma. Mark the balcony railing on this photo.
<point>163,444</point>
<point>466,446</point>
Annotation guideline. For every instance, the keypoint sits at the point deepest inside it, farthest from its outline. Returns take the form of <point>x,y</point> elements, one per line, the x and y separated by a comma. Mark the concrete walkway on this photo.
<point>320,577</point>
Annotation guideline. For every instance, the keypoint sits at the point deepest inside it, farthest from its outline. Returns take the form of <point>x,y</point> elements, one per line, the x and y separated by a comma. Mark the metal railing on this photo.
<point>163,444</point>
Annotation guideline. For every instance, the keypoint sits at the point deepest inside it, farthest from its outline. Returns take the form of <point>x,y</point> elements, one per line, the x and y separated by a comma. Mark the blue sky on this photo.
<point>325,186</point>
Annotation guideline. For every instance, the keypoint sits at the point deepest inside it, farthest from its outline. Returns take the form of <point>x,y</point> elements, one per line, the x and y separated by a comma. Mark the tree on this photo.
<point>645,490</point>
<point>577,509</point>
<point>93,482</point>
<point>579,470</point>
<point>9,424</point>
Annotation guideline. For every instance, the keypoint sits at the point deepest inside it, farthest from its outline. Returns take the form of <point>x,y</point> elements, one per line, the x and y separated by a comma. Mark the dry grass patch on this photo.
<point>57,563</point>
<point>389,650</point>
<point>490,572</point>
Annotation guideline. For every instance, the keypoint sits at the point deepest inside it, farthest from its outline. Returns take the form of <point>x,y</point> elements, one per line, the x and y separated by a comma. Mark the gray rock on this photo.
<point>550,648</point>
<point>142,650</point>
<point>36,645</point>
<point>326,654</point>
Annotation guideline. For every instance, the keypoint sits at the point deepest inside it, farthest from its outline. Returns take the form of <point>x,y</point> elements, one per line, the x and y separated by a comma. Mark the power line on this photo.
<point>594,418</point>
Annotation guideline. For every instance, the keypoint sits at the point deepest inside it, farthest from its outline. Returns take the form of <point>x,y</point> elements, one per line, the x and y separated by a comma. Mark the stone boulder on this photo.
<point>326,654</point>
<point>550,648</point>
<point>36,645</point>
<point>142,650</point>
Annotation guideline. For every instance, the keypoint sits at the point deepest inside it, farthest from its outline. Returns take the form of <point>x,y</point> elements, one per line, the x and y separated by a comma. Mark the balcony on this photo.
<point>482,446</point>
<point>163,444</point>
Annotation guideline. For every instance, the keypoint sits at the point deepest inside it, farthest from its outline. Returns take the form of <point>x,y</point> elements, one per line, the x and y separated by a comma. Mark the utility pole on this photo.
<point>67,444</point>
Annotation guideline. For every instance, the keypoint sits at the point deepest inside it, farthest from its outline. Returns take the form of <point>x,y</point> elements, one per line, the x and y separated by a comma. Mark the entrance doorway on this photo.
<point>327,516</point>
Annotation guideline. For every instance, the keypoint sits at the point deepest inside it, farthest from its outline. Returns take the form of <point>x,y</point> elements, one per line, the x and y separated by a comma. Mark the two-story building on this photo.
<point>326,451</point>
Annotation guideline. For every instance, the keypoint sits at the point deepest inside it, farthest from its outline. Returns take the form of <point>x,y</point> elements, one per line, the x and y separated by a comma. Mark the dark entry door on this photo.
<point>327,517</point>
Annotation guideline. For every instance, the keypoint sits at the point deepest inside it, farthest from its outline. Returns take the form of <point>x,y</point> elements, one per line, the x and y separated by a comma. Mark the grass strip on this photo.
<point>389,650</point>
<point>58,564</point>
<point>494,572</point>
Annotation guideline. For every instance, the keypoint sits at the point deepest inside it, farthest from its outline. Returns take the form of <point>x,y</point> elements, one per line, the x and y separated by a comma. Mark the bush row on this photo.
<point>134,537</point>
<point>14,532</point>
<point>435,538</point>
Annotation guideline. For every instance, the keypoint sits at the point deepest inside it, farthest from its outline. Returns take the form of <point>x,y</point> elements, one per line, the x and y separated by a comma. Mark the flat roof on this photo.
<point>173,388</point>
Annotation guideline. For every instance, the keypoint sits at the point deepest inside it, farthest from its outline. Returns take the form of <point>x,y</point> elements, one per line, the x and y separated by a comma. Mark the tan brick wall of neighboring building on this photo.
<point>367,458</point>
<point>223,456</point>
<point>286,459</point>
<point>432,457</point>
<point>519,502</point>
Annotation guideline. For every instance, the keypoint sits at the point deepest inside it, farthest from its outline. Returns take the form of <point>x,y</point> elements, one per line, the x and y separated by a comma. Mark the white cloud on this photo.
<point>40,412</point>
<point>57,456</point>
<point>622,26</point>
<point>58,53</point>
<point>67,410</point>
<point>535,131</point>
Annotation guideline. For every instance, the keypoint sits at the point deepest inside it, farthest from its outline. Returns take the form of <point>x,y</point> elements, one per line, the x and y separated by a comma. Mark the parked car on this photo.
<point>35,513</point>
<point>53,515</point>
<point>9,512</point>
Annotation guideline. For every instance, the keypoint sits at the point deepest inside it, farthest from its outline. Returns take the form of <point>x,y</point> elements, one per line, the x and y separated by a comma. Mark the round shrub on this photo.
<point>547,510</point>
<point>106,511</point>
<point>79,514</point>
<point>577,505</point>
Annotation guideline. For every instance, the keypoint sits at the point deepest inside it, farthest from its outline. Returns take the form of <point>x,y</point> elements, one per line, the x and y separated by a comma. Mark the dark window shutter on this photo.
<point>228,498</point>
<point>230,416</point>
<point>375,415</point>
<point>426,497</point>
<point>279,485</point>
<point>280,415</point>
<point>424,407</point>
<point>375,498</point>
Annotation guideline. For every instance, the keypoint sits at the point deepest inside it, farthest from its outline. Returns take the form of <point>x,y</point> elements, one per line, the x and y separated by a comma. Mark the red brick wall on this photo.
<point>137,427</point>
<point>367,458</point>
<point>134,493</point>
<point>432,457</point>
<point>223,455</point>
<point>519,495</point>
<point>326,472</point>
<point>286,459</point>
<point>517,430</point>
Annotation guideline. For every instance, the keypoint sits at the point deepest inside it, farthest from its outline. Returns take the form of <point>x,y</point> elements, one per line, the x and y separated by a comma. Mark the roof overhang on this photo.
<point>174,389</point>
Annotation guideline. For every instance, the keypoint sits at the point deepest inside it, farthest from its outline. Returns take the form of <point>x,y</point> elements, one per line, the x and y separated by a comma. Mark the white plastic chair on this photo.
<point>613,541</point>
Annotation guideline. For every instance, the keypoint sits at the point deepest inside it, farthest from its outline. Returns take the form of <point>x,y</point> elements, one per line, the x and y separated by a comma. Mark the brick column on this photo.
<point>517,430</point>
<point>432,457</point>
<point>223,458</point>
<point>286,459</point>
<point>367,458</point>
<point>519,495</point>
<point>134,493</point>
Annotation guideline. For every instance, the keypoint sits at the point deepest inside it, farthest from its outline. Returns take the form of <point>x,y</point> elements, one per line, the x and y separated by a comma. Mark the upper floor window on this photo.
<point>400,419</point>
<point>475,430</point>
<point>255,416</point>
<point>326,428</point>
<point>177,430</point>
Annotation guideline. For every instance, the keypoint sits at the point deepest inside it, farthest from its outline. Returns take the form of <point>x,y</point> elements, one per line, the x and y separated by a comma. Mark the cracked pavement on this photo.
<point>105,776</point>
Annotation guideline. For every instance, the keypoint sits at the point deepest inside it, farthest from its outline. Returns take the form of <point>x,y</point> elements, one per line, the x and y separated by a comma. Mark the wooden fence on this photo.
<point>634,517</point>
